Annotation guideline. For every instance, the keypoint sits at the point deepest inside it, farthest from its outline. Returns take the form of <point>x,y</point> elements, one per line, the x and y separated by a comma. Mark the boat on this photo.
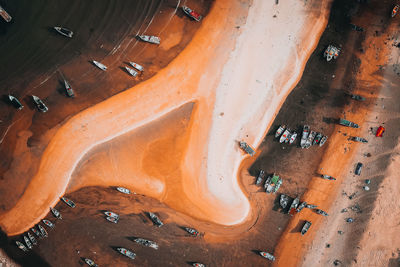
<point>359,139</point>
<point>69,202</point>
<point>56,213</point>
<point>136,66</point>
<point>331,52</point>
<point>358,97</point>
<point>267,255</point>
<point>317,139</point>
<point>305,228</point>
<point>306,131</point>
<point>131,71</point>
<point>146,243</point>
<point>272,183</point>
<point>15,102</point>
<point>68,88</point>
<point>64,31</point>
<point>36,232</point>
<point>32,239</point>
<point>5,15</point>
<point>198,264</point>
<point>285,136</point>
<point>292,138</point>
<point>39,104</point>
<point>243,145</point>
<point>328,177</point>
<point>155,219</point>
<point>191,231</point>
<point>294,205</point>
<point>21,246</point>
<point>112,219</point>
<point>283,201</point>
<point>99,65</point>
<point>27,242</point>
<point>323,140</point>
<point>301,206</point>
<point>111,214</point>
<point>260,177</point>
<point>90,262</point>
<point>42,231</point>
<point>48,223</point>
<point>311,206</point>
<point>321,212</point>
<point>348,123</point>
<point>127,253</point>
<point>191,13</point>
<point>123,190</point>
<point>394,10</point>
<point>150,39</point>
<point>310,139</point>
<point>280,131</point>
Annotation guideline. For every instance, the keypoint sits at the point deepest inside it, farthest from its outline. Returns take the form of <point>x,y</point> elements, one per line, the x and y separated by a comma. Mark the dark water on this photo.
<point>29,45</point>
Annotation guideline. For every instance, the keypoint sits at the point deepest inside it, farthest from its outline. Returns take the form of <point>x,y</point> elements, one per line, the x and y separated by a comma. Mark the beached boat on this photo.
<point>32,238</point>
<point>305,228</point>
<point>5,15</point>
<point>112,219</point>
<point>317,139</point>
<point>136,66</point>
<point>42,231</point>
<point>64,31</point>
<point>292,138</point>
<point>39,104</point>
<point>348,123</point>
<point>243,145</point>
<point>272,183</point>
<point>56,213</point>
<point>359,139</point>
<point>68,201</point>
<point>198,264</point>
<point>21,246</point>
<point>321,212</point>
<point>48,223</point>
<point>395,10</point>
<point>280,131</point>
<point>260,177</point>
<point>304,136</point>
<point>99,65</point>
<point>90,262</point>
<point>301,206</point>
<point>123,190</point>
<point>155,219</point>
<point>328,177</point>
<point>68,88</point>
<point>150,39</point>
<point>331,52</point>
<point>28,242</point>
<point>323,140</point>
<point>267,255</point>
<point>192,231</point>
<point>111,214</point>
<point>294,205</point>
<point>15,102</point>
<point>36,232</point>
<point>310,139</point>
<point>284,136</point>
<point>283,201</point>
<point>127,253</point>
<point>131,71</point>
<point>146,243</point>
<point>191,13</point>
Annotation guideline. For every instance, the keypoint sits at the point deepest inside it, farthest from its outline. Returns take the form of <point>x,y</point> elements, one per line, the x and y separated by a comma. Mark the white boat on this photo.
<point>39,104</point>
<point>56,213</point>
<point>280,131</point>
<point>123,190</point>
<point>127,253</point>
<point>64,31</point>
<point>267,255</point>
<point>310,139</point>
<point>111,214</point>
<point>112,219</point>
<point>292,138</point>
<point>36,232</point>
<point>284,136</point>
<point>21,246</point>
<point>32,238</point>
<point>48,223</point>
<point>42,231</point>
<point>146,243</point>
<point>68,88</point>
<point>150,39</point>
<point>68,201</point>
<point>191,13</point>
<point>90,262</point>
<point>27,242</point>
<point>5,15</point>
<point>99,65</point>
<point>304,136</point>
<point>323,140</point>
<point>131,71</point>
<point>136,66</point>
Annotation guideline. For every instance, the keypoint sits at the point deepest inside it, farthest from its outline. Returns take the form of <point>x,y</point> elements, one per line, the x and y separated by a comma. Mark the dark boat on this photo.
<point>15,102</point>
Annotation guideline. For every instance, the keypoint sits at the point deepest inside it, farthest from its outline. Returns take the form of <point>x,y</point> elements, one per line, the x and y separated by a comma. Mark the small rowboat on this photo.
<point>32,238</point>
<point>27,242</point>
<point>191,13</point>
<point>131,71</point>
<point>90,262</point>
<point>21,246</point>
<point>111,214</point>
<point>192,231</point>
<point>15,102</point>
<point>39,104</point>
<point>280,131</point>
<point>127,253</point>
<point>68,88</point>
<point>124,190</point>
<point>5,15</point>
<point>36,232</point>
<point>56,213</point>
<point>267,255</point>
<point>112,219</point>
<point>69,202</point>
<point>42,231</point>
<point>292,138</point>
<point>99,65</point>
<point>64,31</point>
<point>48,223</point>
<point>136,66</point>
<point>150,39</point>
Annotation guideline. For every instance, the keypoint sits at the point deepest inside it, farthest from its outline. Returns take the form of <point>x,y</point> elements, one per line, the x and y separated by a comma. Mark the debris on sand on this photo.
<point>337,262</point>
<point>366,188</point>
<point>340,232</point>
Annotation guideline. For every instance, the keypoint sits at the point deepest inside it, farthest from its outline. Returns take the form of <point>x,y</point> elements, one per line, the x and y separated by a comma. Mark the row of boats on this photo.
<point>307,139</point>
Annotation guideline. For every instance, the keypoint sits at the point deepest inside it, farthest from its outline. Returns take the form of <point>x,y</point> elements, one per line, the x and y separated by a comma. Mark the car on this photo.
<point>380,131</point>
<point>358,168</point>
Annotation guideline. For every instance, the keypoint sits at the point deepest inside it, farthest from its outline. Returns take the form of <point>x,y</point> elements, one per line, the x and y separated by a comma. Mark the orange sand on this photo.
<point>224,107</point>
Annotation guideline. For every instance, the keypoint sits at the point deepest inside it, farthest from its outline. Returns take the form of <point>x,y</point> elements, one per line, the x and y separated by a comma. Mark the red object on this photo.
<point>380,131</point>
<point>195,15</point>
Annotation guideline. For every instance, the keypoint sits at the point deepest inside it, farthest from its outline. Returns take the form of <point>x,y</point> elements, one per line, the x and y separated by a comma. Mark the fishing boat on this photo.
<point>90,262</point>
<point>27,242</point>
<point>36,232</point>
<point>292,138</point>
<point>5,15</point>
<point>191,13</point>
<point>112,219</point>
<point>68,201</point>
<point>146,243</point>
<point>123,190</point>
<point>111,214</point>
<point>42,231</point>
<point>155,219</point>
<point>56,213</point>
<point>198,264</point>
<point>136,66</point>
<point>150,39</point>
<point>285,135</point>
<point>131,71</point>
<point>99,65</point>
<point>48,223</point>
<point>280,131</point>
<point>192,231</point>
<point>15,102</point>
<point>127,253</point>
<point>68,88</point>
<point>39,104</point>
<point>267,255</point>
<point>64,31</point>
<point>21,246</point>
<point>32,238</point>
